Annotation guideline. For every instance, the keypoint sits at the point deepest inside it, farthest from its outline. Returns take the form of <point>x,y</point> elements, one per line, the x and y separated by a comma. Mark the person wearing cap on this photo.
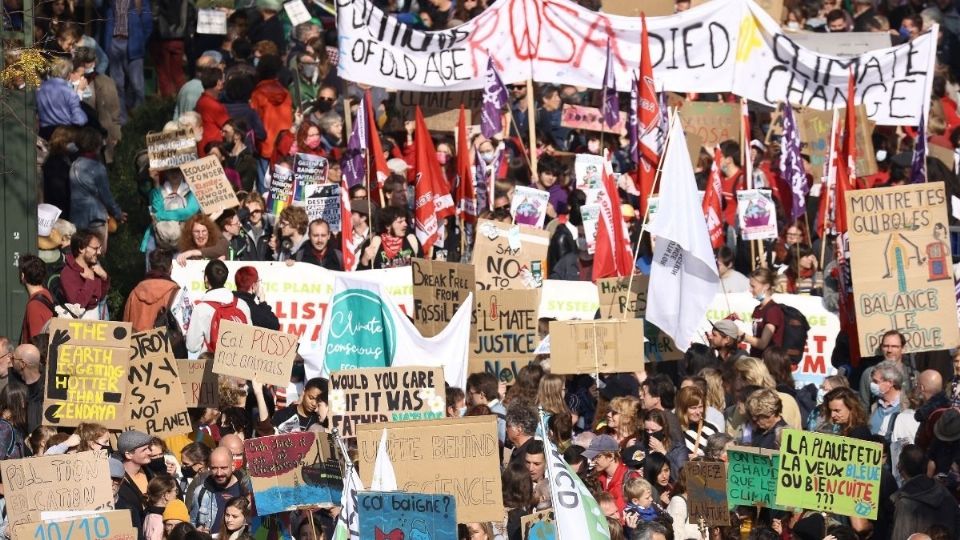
<point>174,514</point>
<point>604,453</point>
<point>922,502</point>
<point>117,474</point>
<point>250,291</point>
<point>133,449</point>
<point>724,339</point>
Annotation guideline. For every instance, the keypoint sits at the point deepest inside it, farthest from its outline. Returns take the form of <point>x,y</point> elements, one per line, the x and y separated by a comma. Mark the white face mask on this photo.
<point>881,155</point>
<point>487,157</point>
<point>875,389</point>
<point>793,25</point>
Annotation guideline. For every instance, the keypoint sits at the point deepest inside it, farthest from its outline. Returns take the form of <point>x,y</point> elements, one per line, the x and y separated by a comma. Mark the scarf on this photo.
<point>391,245</point>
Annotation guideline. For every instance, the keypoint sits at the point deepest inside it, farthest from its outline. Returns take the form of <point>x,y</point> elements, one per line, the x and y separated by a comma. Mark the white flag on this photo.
<point>384,479</point>
<point>348,522</point>
<point>683,275</point>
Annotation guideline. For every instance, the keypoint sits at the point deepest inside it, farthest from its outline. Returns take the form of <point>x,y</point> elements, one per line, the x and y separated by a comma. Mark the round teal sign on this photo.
<point>362,332</point>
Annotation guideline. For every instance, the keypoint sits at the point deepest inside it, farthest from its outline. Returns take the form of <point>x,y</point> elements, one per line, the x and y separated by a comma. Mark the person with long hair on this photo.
<point>526,387</point>
<point>200,238</point>
<point>846,413</point>
<point>550,394</point>
<point>94,437</point>
<point>679,510</point>
<point>623,418</point>
<point>479,531</point>
<point>712,414</point>
<point>392,246</point>
<point>13,420</point>
<point>752,371</point>
<point>802,275</point>
<point>819,416</point>
<point>161,490</point>
<point>657,436</point>
<point>236,520</point>
<point>793,235</point>
<point>517,490</point>
<point>691,411</point>
<point>656,469</point>
<point>768,318</point>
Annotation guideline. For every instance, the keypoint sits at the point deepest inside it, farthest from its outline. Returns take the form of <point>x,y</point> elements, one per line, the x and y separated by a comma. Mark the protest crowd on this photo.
<point>583,274</point>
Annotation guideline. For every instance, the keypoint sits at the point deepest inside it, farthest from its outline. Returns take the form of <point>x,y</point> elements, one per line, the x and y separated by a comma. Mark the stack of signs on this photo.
<point>170,149</point>
<point>509,257</point>
<point>209,185</point>
<point>64,483</point>
<point>86,373</point>
<point>110,525</point>
<point>756,214</point>
<point>323,202</point>
<point>308,169</point>
<point>155,402</point>
<point>370,395</point>
<point>529,206</point>
<point>600,346</point>
<point>393,514</point>
<point>752,477</point>
<point>616,303</point>
<point>507,332</point>
<point>254,353</point>
<point>456,456</point>
<point>829,473</point>
<point>439,288</point>
<point>707,492</point>
<point>280,193</point>
<point>291,470</point>
<point>199,383</point>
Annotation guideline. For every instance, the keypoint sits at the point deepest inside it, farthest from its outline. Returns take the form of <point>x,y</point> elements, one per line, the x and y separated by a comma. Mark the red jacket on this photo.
<point>614,485</point>
<point>214,116</point>
<point>272,102</point>
<point>36,316</point>
<point>79,290</point>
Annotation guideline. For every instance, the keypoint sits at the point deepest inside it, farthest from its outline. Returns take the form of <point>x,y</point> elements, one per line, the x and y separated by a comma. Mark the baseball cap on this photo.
<point>600,445</point>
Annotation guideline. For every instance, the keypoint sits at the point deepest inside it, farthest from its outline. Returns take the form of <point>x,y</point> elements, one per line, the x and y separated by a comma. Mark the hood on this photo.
<point>273,91</point>
<point>925,491</point>
<point>221,295</point>
<point>153,291</point>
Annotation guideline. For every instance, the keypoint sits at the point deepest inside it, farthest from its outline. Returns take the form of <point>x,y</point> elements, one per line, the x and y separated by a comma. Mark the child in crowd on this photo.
<point>639,495</point>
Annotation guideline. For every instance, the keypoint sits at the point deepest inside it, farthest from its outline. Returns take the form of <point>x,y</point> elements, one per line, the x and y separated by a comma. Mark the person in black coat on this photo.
<point>248,290</point>
<point>319,250</point>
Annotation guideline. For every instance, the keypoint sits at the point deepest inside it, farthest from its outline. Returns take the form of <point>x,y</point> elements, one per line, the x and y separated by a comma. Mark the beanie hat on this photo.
<point>176,510</point>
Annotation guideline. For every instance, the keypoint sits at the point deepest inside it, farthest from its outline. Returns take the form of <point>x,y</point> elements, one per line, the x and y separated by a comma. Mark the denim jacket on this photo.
<point>90,196</point>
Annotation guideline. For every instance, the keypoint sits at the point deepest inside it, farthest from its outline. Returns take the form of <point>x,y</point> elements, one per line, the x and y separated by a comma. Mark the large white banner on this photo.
<point>718,46</point>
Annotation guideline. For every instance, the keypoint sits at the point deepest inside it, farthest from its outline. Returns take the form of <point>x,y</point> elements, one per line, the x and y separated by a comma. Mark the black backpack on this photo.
<point>795,330</point>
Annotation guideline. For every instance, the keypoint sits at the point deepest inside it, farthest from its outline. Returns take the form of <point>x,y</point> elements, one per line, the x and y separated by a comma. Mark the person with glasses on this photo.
<point>764,409</point>
<point>84,280</point>
<point>309,76</point>
<point>257,228</point>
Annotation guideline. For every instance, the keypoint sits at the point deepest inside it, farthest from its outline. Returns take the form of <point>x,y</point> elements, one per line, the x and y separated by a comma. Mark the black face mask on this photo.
<point>228,146</point>
<point>158,466</point>
<point>189,472</point>
<point>657,435</point>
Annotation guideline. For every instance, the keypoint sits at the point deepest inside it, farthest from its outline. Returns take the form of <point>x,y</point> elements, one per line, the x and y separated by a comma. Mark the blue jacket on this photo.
<point>90,196</point>
<point>139,28</point>
<point>58,104</point>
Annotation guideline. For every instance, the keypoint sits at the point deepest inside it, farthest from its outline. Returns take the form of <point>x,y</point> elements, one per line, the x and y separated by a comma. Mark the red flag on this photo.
<point>846,158</point>
<point>380,171</point>
<point>648,123</point>
<point>347,245</point>
<point>711,202</point>
<point>427,171</point>
<point>828,192</point>
<point>612,257</point>
<point>466,191</point>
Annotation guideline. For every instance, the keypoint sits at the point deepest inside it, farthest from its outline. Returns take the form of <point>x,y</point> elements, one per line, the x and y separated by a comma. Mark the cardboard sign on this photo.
<point>539,526</point>
<point>199,383</point>
<point>308,169</point>
<point>291,470</point>
<point>756,214</point>
<point>390,514</point>
<point>456,456</point>
<point>590,119</point>
<point>509,257</point>
<point>254,353</point>
<point>815,128</point>
<point>66,482</point>
<point>529,206</point>
<point>171,149</point>
<point>713,122</point>
<point>568,300</point>
<point>441,110</point>
<point>707,492</point>
<point>602,346</point>
<point>752,477</point>
<point>155,402</point>
<point>112,525</point>
<point>507,332</point>
<point>829,473</point>
<point>280,193</point>
<point>615,303</point>
<point>369,395</point>
<point>944,154</point>
<point>323,202</point>
<point>630,8</point>
<point>439,288</point>
<point>86,373</point>
<point>902,269</point>
<point>211,21</point>
<point>209,185</point>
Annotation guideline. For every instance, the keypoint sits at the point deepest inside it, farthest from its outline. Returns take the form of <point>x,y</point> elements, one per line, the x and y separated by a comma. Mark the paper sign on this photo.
<point>308,169</point>
<point>289,470</point>
<point>155,402</point>
<point>86,373</point>
<point>254,353</point>
<point>529,206</point>
<point>568,300</point>
<point>615,302</point>
<point>199,383</point>
<point>588,169</point>
<point>390,515</point>
<point>369,395</point>
<point>507,332</point>
<point>590,119</point>
<point>211,21</point>
<point>500,266</point>
<point>539,526</point>
<point>590,213</point>
<point>439,288</point>
<point>280,193</point>
<point>297,12</point>
<point>756,214</point>
<point>752,477</point>
<point>323,202</point>
<point>456,456</point>
<point>600,346</point>
<point>707,492</point>
<point>112,525</point>
<point>441,110</point>
<point>829,473</point>
<point>209,185</point>
<point>713,122</point>
<point>78,481</point>
<point>815,128</point>
<point>171,149</point>
<point>902,268</point>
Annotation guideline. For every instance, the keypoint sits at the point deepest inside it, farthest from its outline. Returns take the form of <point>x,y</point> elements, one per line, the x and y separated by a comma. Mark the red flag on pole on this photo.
<point>612,256</point>
<point>380,172</point>
<point>648,123</point>
<point>347,245</point>
<point>427,171</point>
<point>846,180</point>
<point>711,202</point>
<point>466,191</point>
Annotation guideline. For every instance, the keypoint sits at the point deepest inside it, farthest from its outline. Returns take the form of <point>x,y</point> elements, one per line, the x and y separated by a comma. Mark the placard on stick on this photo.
<point>707,492</point>
<point>86,372</point>
<point>199,383</point>
<point>509,257</point>
<point>815,128</point>
<point>441,110</point>
<point>392,514</point>
<point>254,353</point>
<point>460,454</point>
<point>68,482</point>
<point>614,301</point>
<point>209,185</point>
<point>170,149</point>
<point>155,401</point>
<point>507,332</point>
<point>439,288</point>
<point>600,346</point>
<point>752,477</point>
<point>590,119</point>
<point>112,525</point>
<point>369,395</point>
<point>291,470</point>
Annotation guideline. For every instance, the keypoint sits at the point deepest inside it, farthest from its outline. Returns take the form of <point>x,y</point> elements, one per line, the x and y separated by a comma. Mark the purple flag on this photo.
<point>633,122</point>
<point>918,167</point>
<point>791,163</point>
<point>664,124</point>
<point>354,165</point>
<point>494,100</point>
<point>611,100</point>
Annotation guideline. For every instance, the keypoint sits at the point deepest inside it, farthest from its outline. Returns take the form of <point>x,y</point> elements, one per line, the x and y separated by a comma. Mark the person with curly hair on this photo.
<point>201,239</point>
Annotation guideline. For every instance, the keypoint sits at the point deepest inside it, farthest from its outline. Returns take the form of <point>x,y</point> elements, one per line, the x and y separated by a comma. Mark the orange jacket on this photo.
<point>146,300</point>
<point>272,102</point>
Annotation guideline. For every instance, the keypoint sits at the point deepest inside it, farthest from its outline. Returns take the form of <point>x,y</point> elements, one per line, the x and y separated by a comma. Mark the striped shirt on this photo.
<point>690,437</point>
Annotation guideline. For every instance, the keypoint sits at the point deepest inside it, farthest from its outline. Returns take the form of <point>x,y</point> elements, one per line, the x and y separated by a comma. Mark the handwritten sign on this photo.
<point>441,110</point>
<point>707,492</point>
<point>323,202</point>
<point>199,383</point>
<point>170,149</point>
<point>439,288</point>
<point>509,257</point>
<point>209,185</point>
<point>756,214</point>
<point>713,122</point>
<point>752,477</point>
<point>615,302</point>
<point>461,455</point>
<point>590,119</point>
<point>539,526</point>
<point>902,269</point>
<point>155,402</point>
<point>254,353</point>
<point>829,473</point>
<point>68,482</point>
<point>815,128</point>
<point>369,395</point>
<point>507,332</point>
<point>391,514</point>
<point>291,470</point>
<point>211,21</point>
<point>308,169</point>
<point>113,525</point>
<point>529,206</point>
<point>86,372</point>
<point>601,346</point>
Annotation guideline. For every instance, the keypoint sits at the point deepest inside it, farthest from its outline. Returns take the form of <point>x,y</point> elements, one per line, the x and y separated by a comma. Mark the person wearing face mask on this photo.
<point>101,96</point>
<point>306,84</point>
<point>331,134</point>
<point>768,318</point>
<point>886,384</point>
<point>194,459</point>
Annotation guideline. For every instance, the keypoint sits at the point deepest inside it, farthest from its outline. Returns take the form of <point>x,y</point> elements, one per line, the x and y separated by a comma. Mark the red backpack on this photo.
<point>222,311</point>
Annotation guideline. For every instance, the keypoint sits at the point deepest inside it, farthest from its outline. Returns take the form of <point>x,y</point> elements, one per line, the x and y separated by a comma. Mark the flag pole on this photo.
<point>532,130</point>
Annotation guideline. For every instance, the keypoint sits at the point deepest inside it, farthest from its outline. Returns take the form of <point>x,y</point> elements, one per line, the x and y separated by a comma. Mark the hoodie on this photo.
<point>921,503</point>
<point>272,102</point>
<point>147,299</point>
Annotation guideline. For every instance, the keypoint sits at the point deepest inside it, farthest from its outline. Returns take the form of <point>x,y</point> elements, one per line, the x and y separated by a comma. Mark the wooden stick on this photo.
<point>532,130</point>
<point>313,528</point>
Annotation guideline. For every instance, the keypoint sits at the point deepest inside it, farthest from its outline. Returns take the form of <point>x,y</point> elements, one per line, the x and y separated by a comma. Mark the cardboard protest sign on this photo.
<point>199,383</point>
<point>254,353</point>
<point>529,206</point>
<point>829,473</point>
<point>323,202</point>
<point>78,481</point>
<point>291,470</point>
<point>211,21</point>
<point>209,185</point>
<point>616,303</point>
<point>460,454</point>
<point>308,169</point>
<point>369,395</point>
<point>815,128</point>
<point>441,110</point>
<point>507,332</point>
<point>600,346</point>
<point>170,149</point>
<point>392,514</point>
<point>568,300</point>
<point>111,525</point>
<point>86,373</point>
<point>280,193</point>
<point>439,288</point>
<point>713,122</point>
<point>752,477</point>
<point>707,492</point>
<point>155,402</point>
<point>539,526</point>
<point>590,119</point>
<point>509,257</point>
<point>756,214</point>
<point>902,269</point>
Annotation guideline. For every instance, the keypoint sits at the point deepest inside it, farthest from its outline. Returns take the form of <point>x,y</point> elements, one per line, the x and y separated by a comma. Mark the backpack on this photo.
<point>795,330</point>
<point>222,311</point>
<point>166,320</point>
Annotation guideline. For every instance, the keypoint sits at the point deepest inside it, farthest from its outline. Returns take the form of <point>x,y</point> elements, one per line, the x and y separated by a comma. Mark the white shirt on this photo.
<point>198,333</point>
